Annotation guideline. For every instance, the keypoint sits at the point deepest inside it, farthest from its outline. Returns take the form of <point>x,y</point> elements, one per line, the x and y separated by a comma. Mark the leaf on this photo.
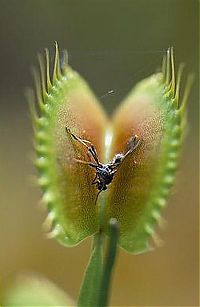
<point>68,193</point>
<point>141,185</point>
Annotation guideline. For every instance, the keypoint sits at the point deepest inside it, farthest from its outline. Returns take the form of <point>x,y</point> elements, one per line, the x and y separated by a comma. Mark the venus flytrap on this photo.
<point>128,211</point>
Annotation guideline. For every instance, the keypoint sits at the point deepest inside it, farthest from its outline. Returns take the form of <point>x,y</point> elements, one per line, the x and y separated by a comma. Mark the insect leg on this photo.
<point>115,169</point>
<point>98,196</point>
<point>83,142</point>
<point>86,162</point>
<point>94,180</point>
<point>87,144</point>
<point>93,152</point>
<point>133,143</point>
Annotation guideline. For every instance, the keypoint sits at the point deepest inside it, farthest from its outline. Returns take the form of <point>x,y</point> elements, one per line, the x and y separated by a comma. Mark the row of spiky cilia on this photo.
<point>47,92</point>
<point>171,145</point>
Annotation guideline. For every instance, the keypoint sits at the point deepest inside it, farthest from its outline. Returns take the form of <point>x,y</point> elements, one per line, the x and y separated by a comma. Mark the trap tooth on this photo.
<point>48,197</point>
<point>58,84</point>
<point>156,214</point>
<point>157,240</point>
<point>162,223</point>
<point>41,149</point>
<point>176,131</point>
<point>41,162</point>
<point>55,90</point>
<point>149,229</point>
<point>42,107</point>
<point>66,239</point>
<point>164,192</point>
<point>43,181</point>
<point>41,136</point>
<point>168,179</point>
<point>161,202</point>
<point>169,95</point>
<point>173,101</point>
<point>175,144</point>
<point>48,222</point>
<point>50,100</point>
<point>48,111</point>
<point>42,122</point>
<point>56,68</point>
<point>173,155</point>
<point>54,233</point>
<point>171,165</point>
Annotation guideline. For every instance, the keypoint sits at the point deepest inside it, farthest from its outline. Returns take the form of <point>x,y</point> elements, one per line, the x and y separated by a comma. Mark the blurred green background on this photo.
<point>113,44</point>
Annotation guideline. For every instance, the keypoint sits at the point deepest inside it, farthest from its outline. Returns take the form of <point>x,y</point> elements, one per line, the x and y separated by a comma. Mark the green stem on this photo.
<point>109,264</point>
<point>96,282</point>
<point>89,291</point>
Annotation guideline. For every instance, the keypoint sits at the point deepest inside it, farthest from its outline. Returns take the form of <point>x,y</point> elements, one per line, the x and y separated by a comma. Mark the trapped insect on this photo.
<point>104,172</point>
